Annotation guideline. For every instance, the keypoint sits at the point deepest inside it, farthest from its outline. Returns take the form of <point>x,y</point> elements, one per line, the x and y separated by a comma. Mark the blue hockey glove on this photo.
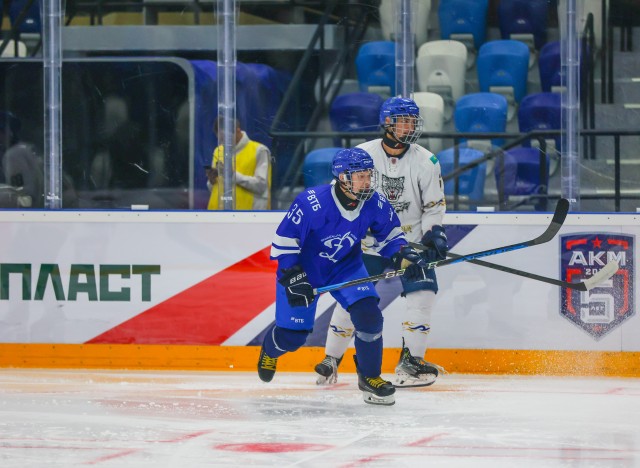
<point>412,262</point>
<point>298,289</point>
<point>436,242</point>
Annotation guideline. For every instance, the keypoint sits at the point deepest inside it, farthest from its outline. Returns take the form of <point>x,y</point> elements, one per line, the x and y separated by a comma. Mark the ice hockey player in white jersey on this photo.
<point>411,181</point>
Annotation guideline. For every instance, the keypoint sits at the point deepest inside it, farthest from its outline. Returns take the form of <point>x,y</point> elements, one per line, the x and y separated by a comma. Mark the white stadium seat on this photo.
<point>419,12</point>
<point>432,111</point>
<point>10,50</point>
<point>441,68</point>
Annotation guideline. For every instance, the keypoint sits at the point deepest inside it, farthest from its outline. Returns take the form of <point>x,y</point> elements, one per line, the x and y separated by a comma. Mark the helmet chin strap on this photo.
<point>390,140</point>
<point>360,196</point>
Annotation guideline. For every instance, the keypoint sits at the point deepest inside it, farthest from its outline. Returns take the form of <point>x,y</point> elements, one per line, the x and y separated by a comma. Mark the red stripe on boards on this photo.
<point>206,313</point>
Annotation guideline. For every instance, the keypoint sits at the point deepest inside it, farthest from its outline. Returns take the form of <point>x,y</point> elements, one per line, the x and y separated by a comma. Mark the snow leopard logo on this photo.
<point>393,189</point>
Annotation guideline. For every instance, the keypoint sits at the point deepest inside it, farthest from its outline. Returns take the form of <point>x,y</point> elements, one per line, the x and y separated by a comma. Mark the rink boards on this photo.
<point>196,291</point>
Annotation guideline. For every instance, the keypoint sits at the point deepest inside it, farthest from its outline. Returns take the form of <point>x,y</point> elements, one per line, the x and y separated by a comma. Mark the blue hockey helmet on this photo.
<point>401,111</point>
<point>350,161</point>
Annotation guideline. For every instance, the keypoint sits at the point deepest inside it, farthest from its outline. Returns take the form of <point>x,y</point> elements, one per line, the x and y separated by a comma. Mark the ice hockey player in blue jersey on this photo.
<point>319,243</point>
<point>410,179</point>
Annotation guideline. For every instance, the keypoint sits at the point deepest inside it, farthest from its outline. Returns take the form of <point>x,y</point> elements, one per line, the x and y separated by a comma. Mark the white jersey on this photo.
<point>412,184</point>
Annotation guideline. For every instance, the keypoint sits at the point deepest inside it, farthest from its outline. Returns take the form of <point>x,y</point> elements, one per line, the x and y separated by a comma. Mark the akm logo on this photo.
<point>606,306</point>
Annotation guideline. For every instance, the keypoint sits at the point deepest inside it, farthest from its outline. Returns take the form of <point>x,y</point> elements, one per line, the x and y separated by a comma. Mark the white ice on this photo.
<point>197,419</point>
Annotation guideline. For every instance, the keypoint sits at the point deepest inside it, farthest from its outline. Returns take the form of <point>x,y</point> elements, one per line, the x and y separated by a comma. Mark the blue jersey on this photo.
<point>323,237</point>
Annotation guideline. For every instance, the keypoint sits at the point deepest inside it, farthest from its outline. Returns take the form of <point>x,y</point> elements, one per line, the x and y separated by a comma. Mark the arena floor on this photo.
<point>196,419</point>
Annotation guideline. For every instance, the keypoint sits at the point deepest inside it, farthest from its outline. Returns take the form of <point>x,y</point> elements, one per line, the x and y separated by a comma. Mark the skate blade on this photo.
<point>406,381</point>
<point>322,380</point>
<point>372,399</point>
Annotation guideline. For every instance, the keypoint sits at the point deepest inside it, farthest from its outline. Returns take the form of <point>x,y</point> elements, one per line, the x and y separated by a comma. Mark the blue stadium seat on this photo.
<point>503,67</point>
<point>471,182</point>
<point>518,174</point>
<point>316,168</point>
<point>541,111</point>
<point>550,66</point>
<point>376,67</point>
<point>481,112</point>
<point>32,23</point>
<point>464,21</point>
<point>355,112</point>
<point>524,20</point>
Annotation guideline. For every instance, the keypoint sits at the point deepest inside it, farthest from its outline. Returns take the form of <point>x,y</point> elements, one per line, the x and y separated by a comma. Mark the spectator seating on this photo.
<point>542,111</point>
<point>526,21</point>
<point>420,10</point>
<point>471,182</point>
<point>584,9</point>
<point>316,168</point>
<point>464,21</point>
<point>481,113</point>
<point>518,173</point>
<point>376,67</point>
<point>432,111</point>
<point>355,112</point>
<point>503,67</point>
<point>441,68</point>
<point>550,66</point>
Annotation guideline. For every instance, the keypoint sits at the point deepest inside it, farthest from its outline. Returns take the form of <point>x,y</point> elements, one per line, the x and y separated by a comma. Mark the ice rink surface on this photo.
<point>201,419</point>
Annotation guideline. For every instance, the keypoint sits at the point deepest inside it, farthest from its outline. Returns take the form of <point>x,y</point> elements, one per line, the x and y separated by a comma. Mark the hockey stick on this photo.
<point>562,209</point>
<point>604,274</point>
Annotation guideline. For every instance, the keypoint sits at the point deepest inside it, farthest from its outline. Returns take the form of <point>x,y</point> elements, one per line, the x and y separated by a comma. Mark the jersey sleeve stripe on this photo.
<point>395,233</point>
<point>281,241</point>
<point>279,247</point>
<point>278,252</point>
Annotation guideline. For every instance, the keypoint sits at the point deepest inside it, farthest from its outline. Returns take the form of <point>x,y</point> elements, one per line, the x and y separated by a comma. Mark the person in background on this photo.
<point>253,172</point>
<point>21,169</point>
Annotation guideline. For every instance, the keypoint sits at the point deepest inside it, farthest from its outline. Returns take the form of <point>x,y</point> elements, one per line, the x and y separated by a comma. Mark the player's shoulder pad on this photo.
<point>424,155</point>
<point>380,200</point>
<point>311,196</point>
<point>367,145</point>
<point>380,197</point>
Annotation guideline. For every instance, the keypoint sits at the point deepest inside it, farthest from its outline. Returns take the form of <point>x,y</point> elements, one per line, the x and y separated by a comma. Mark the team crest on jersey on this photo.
<point>338,246</point>
<point>608,305</point>
<point>393,188</point>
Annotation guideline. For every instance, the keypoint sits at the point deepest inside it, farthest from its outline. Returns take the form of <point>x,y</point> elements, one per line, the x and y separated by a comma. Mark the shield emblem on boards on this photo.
<point>611,303</point>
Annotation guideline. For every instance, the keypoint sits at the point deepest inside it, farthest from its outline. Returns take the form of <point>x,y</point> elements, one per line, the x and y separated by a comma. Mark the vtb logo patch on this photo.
<point>609,304</point>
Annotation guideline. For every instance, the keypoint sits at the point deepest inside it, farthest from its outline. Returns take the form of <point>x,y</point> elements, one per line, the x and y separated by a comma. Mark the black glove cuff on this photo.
<point>288,273</point>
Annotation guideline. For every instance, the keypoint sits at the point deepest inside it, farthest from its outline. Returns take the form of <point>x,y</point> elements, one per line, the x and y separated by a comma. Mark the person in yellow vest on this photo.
<point>253,173</point>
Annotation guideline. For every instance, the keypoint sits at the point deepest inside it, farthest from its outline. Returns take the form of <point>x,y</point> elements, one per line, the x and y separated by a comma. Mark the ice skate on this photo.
<point>375,390</point>
<point>328,370</point>
<point>413,371</point>
<point>266,366</point>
